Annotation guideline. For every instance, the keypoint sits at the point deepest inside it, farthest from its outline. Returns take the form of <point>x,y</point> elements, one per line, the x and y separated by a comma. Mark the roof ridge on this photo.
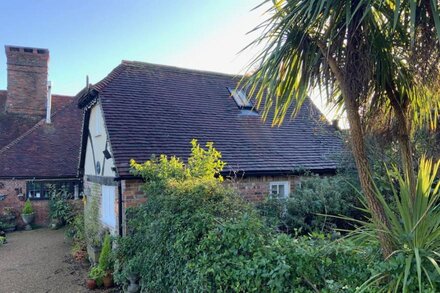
<point>32,129</point>
<point>178,68</point>
<point>109,77</point>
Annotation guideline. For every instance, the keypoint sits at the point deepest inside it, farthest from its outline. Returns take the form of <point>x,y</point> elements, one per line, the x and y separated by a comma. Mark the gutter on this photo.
<point>254,173</point>
<point>73,178</point>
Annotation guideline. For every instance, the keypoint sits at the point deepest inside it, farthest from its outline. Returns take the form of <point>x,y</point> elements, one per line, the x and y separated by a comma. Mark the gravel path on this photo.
<point>39,261</point>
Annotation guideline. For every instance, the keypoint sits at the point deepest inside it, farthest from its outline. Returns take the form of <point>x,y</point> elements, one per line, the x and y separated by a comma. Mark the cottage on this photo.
<point>142,109</point>
<point>40,135</point>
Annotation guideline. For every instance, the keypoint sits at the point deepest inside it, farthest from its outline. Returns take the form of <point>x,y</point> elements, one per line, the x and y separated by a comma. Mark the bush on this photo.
<point>59,207</point>
<point>76,231</point>
<point>314,204</point>
<point>193,234</point>
<point>105,257</point>
<point>167,229</point>
<point>2,240</point>
<point>27,209</point>
<point>184,203</point>
<point>243,256</point>
<point>92,230</point>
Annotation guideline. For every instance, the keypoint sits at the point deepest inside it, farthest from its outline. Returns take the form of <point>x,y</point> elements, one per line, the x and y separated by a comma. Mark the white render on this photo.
<point>98,137</point>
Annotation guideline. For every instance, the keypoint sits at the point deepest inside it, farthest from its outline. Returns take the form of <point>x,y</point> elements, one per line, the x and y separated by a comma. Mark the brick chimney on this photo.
<point>27,80</point>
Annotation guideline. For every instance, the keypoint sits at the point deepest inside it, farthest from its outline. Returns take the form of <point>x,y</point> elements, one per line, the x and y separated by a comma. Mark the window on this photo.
<point>280,189</point>
<point>240,99</point>
<point>98,130</point>
<point>42,189</point>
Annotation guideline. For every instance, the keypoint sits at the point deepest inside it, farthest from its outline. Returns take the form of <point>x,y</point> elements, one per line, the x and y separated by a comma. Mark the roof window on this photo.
<point>240,99</point>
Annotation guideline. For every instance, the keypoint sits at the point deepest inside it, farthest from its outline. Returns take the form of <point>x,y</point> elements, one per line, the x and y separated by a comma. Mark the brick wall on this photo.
<point>11,189</point>
<point>27,80</point>
<point>132,195</point>
<point>253,189</point>
<point>256,189</point>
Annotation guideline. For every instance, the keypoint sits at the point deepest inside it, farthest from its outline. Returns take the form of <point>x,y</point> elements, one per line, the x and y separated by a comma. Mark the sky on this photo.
<point>92,37</point>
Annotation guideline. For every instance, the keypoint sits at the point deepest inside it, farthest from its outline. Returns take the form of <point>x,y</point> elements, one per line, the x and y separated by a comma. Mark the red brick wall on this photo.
<point>41,207</point>
<point>27,80</point>
<point>10,189</point>
<point>132,195</point>
<point>256,189</point>
<point>253,189</point>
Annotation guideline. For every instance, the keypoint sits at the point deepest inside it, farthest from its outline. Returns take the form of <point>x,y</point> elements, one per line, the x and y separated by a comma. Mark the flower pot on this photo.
<point>91,284</point>
<point>28,219</point>
<point>133,287</point>
<point>108,281</point>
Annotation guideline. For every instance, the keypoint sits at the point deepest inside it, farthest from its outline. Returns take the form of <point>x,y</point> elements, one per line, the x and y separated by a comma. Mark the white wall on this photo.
<point>98,136</point>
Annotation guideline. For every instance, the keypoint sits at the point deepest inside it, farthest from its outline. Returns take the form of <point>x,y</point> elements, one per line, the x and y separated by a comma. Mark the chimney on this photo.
<point>27,80</point>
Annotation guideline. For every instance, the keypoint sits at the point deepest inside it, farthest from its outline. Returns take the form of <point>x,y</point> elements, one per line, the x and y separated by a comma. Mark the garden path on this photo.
<point>39,261</point>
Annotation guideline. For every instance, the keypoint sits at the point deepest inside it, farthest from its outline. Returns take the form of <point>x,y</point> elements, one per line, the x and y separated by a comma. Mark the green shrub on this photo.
<point>184,203</point>
<point>91,221</point>
<point>105,257</point>
<point>76,231</point>
<point>314,204</point>
<point>242,256</point>
<point>167,229</point>
<point>195,235</point>
<point>27,209</point>
<point>59,207</point>
<point>2,240</point>
<point>97,273</point>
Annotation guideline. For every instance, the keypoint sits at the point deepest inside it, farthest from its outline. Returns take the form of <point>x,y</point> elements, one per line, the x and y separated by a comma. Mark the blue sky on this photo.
<point>92,37</point>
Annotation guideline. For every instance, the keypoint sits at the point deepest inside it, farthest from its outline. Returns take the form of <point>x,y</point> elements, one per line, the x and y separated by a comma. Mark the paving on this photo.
<point>39,261</point>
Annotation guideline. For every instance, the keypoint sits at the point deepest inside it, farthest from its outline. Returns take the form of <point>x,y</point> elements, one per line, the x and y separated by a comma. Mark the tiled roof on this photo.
<point>46,150</point>
<point>154,109</point>
<point>14,125</point>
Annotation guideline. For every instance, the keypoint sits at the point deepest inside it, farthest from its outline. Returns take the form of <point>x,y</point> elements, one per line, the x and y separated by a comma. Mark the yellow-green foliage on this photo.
<point>203,163</point>
<point>105,256</point>
<point>27,209</point>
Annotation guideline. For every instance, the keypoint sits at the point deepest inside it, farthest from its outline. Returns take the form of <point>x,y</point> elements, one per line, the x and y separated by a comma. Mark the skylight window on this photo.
<point>240,99</point>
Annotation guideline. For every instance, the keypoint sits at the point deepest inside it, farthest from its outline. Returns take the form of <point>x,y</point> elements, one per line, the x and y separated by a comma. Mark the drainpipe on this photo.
<point>120,207</point>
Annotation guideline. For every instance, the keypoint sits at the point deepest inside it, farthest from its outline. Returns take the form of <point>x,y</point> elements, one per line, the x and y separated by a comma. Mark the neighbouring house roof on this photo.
<point>13,125</point>
<point>46,150</point>
<point>155,109</point>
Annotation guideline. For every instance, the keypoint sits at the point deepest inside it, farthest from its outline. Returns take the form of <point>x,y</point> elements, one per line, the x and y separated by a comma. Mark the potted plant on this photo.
<point>28,214</point>
<point>105,262</point>
<point>132,276</point>
<point>8,218</point>
<point>96,275</point>
<point>93,231</point>
<point>90,283</point>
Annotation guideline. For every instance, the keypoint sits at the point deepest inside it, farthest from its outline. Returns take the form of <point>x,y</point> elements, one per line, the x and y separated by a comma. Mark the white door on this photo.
<point>108,212</point>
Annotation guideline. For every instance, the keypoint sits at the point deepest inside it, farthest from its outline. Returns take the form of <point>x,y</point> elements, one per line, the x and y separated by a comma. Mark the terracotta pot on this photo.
<point>108,281</point>
<point>91,284</point>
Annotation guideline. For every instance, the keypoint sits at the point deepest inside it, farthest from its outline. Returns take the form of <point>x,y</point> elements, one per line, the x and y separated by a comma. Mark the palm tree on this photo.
<point>362,53</point>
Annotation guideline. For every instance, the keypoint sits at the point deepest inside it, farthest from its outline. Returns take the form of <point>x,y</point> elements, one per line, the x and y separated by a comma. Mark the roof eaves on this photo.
<point>88,94</point>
